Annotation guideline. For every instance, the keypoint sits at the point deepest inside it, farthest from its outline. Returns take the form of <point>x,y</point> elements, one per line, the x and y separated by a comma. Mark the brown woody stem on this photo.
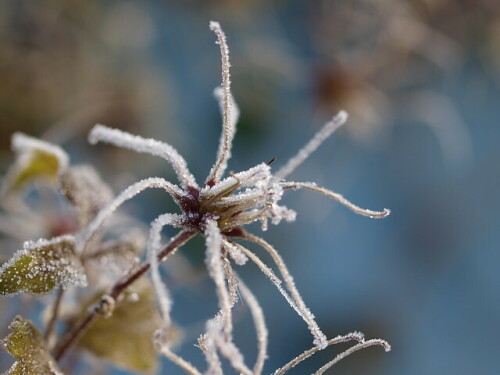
<point>71,338</point>
<point>54,314</point>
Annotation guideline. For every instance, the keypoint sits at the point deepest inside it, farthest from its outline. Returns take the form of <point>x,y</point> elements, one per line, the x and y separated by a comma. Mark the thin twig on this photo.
<point>72,337</point>
<point>55,313</point>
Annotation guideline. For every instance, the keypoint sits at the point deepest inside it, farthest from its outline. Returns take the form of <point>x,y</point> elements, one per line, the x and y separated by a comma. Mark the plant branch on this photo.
<point>54,314</point>
<point>103,306</point>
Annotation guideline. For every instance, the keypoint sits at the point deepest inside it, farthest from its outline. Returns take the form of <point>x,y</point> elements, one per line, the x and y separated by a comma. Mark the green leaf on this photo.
<point>42,266</point>
<point>39,164</point>
<point>27,345</point>
<point>125,338</point>
<point>36,159</point>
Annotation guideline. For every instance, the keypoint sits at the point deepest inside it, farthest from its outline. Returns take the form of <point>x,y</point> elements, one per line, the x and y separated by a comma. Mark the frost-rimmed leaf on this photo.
<point>125,338</point>
<point>42,266</point>
<point>27,345</point>
<point>36,159</point>
<point>111,259</point>
<point>85,190</point>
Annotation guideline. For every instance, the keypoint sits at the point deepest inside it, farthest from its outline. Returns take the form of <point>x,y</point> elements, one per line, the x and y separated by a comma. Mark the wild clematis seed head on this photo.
<point>218,210</point>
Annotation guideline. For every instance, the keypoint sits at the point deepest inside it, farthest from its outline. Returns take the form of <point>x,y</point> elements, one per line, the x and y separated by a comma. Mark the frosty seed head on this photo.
<point>238,200</point>
<point>219,209</point>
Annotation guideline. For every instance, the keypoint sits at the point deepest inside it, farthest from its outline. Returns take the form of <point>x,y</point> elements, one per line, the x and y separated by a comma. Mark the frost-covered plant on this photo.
<point>46,266</point>
<point>218,210</point>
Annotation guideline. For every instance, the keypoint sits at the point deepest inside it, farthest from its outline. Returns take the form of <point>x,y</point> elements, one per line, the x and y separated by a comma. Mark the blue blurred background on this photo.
<point>420,80</point>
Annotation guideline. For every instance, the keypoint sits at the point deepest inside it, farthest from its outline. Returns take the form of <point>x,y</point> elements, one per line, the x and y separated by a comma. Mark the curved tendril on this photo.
<point>358,336</point>
<point>260,326</point>
<point>162,295</point>
<point>355,348</point>
<point>152,249</point>
<point>311,146</point>
<point>116,137</point>
<point>155,182</point>
<point>338,197</point>
<point>216,271</point>
<point>179,361</point>
<point>319,338</point>
<point>228,108</point>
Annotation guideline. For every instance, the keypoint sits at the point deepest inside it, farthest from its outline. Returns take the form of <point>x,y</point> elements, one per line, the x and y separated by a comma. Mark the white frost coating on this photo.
<point>54,263</point>
<point>258,201</point>
<point>215,326</point>
<point>228,119</point>
<point>128,193</point>
<point>233,296</point>
<point>87,192</point>
<point>209,348</point>
<point>215,267</point>
<point>65,269</point>
<point>42,242</point>
<point>320,339</point>
<point>162,345</point>
<point>221,207</point>
<point>152,249</point>
<point>313,144</point>
<point>235,253</point>
<point>248,197</point>
<point>260,326</point>
<point>227,135</point>
<point>235,111</point>
<point>179,361</point>
<point>22,143</point>
<point>279,213</point>
<point>338,197</point>
<point>229,350</point>
<point>276,212</point>
<point>101,133</point>
<point>232,281</point>
<point>258,175</point>
<point>214,340</point>
<point>162,295</point>
<point>357,336</point>
<point>353,349</point>
<point>25,146</point>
